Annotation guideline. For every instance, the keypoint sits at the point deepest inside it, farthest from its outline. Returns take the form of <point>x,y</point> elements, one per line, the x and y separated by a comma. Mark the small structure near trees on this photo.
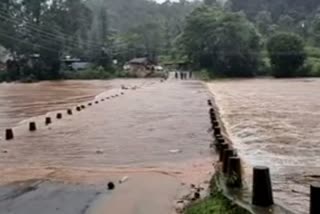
<point>142,67</point>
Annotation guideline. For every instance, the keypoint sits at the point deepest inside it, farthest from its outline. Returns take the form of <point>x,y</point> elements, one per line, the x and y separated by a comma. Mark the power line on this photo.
<point>60,36</point>
<point>47,34</point>
<point>23,41</point>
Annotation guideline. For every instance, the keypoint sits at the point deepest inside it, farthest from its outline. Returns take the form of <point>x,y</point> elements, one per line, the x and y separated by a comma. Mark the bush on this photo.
<point>315,67</point>
<point>88,74</point>
<point>313,52</point>
<point>203,75</point>
<point>215,203</point>
<point>287,55</point>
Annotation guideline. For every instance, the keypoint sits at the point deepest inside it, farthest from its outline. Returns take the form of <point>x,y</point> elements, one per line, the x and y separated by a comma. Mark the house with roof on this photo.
<point>139,67</point>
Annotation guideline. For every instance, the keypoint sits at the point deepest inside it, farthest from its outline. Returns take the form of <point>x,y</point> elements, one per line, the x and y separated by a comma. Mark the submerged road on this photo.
<point>153,137</point>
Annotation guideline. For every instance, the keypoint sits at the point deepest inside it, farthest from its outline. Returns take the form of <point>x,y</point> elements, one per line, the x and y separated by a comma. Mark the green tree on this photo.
<point>287,54</point>
<point>286,23</point>
<point>220,41</point>
<point>210,2</point>
<point>315,30</point>
<point>264,21</point>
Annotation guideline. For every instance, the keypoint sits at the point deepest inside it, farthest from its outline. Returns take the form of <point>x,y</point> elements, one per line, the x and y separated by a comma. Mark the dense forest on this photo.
<point>238,38</point>
<point>38,34</point>
<point>243,38</point>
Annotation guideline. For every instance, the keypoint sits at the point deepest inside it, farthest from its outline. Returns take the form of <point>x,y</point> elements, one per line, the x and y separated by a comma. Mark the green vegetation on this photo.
<point>39,34</point>
<point>301,18</point>
<point>229,39</point>
<point>216,203</point>
<point>287,55</point>
<point>244,38</point>
<point>222,41</point>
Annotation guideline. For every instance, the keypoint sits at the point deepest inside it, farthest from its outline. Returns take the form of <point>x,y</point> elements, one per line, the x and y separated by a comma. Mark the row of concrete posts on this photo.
<point>9,134</point>
<point>262,195</point>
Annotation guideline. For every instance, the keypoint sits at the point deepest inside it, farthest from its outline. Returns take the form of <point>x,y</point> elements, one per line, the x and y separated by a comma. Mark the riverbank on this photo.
<point>215,203</point>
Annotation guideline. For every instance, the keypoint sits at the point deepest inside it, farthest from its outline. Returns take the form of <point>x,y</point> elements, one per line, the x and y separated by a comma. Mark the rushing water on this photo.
<point>275,123</point>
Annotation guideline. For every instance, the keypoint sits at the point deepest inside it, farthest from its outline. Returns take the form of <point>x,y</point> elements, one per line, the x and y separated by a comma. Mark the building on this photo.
<point>75,64</point>
<point>140,67</point>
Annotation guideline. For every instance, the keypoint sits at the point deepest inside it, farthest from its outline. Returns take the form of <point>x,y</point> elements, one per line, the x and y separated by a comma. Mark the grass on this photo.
<point>216,203</point>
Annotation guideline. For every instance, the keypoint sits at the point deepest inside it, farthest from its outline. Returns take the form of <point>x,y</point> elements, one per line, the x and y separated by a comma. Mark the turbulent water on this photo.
<point>276,123</point>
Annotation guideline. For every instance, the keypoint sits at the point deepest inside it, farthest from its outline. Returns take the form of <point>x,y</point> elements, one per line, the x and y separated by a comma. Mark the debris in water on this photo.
<point>4,151</point>
<point>124,179</point>
<point>175,151</point>
<point>111,186</point>
<point>100,151</point>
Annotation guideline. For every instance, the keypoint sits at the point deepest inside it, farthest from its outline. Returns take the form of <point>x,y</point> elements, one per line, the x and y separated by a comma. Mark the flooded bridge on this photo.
<point>151,137</point>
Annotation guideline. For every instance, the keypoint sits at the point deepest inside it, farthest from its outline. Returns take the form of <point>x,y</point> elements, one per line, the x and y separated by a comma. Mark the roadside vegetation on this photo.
<point>248,39</point>
<point>216,203</point>
<point>40,35</point>
<point>234,38</point>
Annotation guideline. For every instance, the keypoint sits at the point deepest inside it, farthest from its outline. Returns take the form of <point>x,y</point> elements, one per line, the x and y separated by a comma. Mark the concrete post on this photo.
<point>213,117</point>
<point>211,111</point>
<point>9,134</point>
<point>315,200</point>
<point>217,131</point>
<point>32,126</point>
<point>220,140</point>
<point>221,148</point>
<point>69,112</point>
<point>215,124</point>
<point>59,116</point>
<point>234,172</point>
<point>78,108</point>
<point>48,121</point>
<point>262,187</point>
<point>227,153</point>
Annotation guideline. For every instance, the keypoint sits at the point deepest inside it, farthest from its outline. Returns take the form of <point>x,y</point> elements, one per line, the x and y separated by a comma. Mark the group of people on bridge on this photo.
<point>183,75</point>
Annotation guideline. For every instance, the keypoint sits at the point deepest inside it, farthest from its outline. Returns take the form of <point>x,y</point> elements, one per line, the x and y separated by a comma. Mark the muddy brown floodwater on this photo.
<point>155,134</point>
<point>20,101</point>
<point>275,123</point>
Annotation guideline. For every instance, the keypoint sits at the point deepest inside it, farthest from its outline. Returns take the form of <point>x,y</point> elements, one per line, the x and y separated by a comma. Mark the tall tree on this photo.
<point>225,43</point>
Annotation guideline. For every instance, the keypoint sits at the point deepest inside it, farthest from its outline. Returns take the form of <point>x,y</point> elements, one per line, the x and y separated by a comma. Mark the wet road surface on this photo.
<point>156,134</point>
